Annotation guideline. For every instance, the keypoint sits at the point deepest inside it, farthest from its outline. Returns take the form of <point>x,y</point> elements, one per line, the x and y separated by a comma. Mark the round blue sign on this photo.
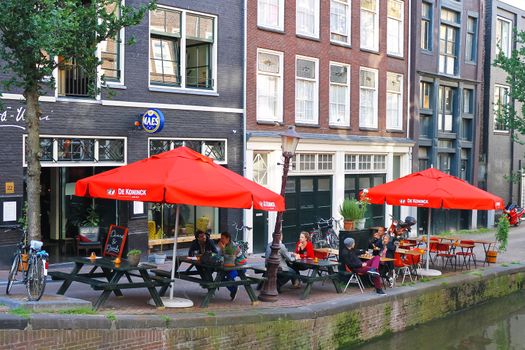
<point>153,121</point>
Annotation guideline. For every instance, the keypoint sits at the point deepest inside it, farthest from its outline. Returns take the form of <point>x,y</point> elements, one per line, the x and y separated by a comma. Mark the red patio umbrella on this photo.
<point>432,188</point>
<point>180,176</point>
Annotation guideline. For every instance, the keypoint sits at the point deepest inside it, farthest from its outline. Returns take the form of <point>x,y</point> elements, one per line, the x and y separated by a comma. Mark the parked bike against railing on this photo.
<point>401,229</point>
<point>323,234</point>
<point>31,262</point>
<point>243,245</point>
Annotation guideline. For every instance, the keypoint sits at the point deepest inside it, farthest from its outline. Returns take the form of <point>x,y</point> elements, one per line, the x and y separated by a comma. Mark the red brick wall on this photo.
<point>325,51</point>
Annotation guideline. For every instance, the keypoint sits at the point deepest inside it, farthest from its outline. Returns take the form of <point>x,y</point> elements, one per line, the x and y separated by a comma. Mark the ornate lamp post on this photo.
<point>289,140</point>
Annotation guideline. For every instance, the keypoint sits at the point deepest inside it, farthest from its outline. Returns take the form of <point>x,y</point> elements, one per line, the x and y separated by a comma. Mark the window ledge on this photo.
<point>183,91</point>
<point>501,132</point>
<point>340,43</point>
<point>269,122</point>
<point>376,51</point>
<point>270,29</point>
<point>307,125</point>
<point>471,63</point>
<point>395,131</point>
<point>115,86</point>
<point>340,127</point>
<point>427,52</point>
<point>78,99</point>
<point>308,37</point>
<point>393,55</point>
<point>369,128</point>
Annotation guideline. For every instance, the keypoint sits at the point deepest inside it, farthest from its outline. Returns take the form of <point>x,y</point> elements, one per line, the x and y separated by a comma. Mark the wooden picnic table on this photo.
<point>319,271</point>
<point>110,272</point>
<point>202,274</point>
<point>368,257</point>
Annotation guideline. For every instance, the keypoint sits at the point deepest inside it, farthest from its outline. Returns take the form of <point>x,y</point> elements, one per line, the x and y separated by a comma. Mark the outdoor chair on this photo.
<point>401,268</point>
<point>447,255</point>
<point>467,254</point>
<point>354,278</point>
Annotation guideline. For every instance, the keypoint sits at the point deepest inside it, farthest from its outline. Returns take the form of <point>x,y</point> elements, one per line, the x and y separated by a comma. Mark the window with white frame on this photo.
<point>501,98</point>
<point>260,168</point>
<point>312,162</point>
<point>448,42</point>
<point>269,85</point>
<point>503,36</point>
<point>339,94</point>
<point>270,14</point>
<point>446,110</point>
<point>75,150</point>
<point>306,90</point>
<point>394,101</point>
<point>370,24</point>
<point>372,162</point>
<point>111,51</point>
<point>307,18</point>
<point>471,46</point>
<point>395,28</point>
<point>216,149</point>
<point>340,20</point>
<point>182,57</point>
<point>426,26</point>
<point>368,98</point>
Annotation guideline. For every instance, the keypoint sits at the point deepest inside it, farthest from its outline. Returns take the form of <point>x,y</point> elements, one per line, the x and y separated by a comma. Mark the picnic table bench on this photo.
<point>112,273</point>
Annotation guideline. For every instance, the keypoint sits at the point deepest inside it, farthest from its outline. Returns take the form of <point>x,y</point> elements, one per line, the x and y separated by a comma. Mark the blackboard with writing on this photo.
<point>115,241</point>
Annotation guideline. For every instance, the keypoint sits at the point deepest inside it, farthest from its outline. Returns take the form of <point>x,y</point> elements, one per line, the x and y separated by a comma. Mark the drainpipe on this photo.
<point>245,23</point>
<point>409,69</point>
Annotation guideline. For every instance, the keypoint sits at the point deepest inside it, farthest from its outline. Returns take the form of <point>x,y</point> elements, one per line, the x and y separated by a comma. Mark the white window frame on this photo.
<point>315,118</point>
<point>279,116</point>
<point>71,163</point>
<point>280,19</point>
<point>346,120</point>
<point>362,122</point>
<point>172,146</point>
<point>494,110</point>
<point>400,24</point>
<point>317,162</point>
<point>353,163</point>
<point>316,10</point>
<point>183,88</point>
<point>121,50</point>
<point>348,34</point>
<point>364,31</point>
<point>261,179</point>
<point>390,122</point>
<point>507,48</point>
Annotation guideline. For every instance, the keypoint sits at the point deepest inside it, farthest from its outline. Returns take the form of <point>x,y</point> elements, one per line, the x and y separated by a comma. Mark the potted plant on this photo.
<point>363,206</point>
<point>350,210</point>
<point>134,257</point>
<point>89,226</point>
<point>229,255</point>
<point>502,237</point>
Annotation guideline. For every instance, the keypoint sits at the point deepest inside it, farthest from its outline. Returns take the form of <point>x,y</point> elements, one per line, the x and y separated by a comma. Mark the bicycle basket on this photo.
<point>36,245</point>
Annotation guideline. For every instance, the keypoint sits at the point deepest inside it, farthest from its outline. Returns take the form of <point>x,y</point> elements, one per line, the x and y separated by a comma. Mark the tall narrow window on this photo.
<point>270,14</point>
<point>370,25</point>
<point>182,57</point>
<point>395,27</point>
<point>307,18</point>
<point>503,36</point>
<point>426,26</point>
<point>111,51</point>
<point>501,98</point>
<point>394,101</point>
<point>448,42</point>
<point>339,94</point>
<point>446,108</point>
<point>306,91</point>
<point>260,168</point>
<point>471,39</point>
<point>426,95</point>
<point>368,98</point>
<point>468,101</point>
<point>340,21</point>
<point>269,86</point>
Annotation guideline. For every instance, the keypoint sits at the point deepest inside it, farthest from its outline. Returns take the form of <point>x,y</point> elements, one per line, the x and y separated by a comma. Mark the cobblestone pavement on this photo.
<point>135,301</point>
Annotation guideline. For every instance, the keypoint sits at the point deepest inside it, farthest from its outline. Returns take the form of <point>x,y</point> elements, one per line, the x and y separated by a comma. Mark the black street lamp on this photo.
<point>289,140</point>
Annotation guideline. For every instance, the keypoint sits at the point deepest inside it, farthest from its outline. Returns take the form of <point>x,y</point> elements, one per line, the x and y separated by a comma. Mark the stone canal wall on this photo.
<point>328,325</point>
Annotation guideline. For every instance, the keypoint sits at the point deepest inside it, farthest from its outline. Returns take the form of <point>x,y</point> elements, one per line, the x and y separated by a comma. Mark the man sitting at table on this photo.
<point>284,260</point>
<point>349,258</point>
<point>202,244</point>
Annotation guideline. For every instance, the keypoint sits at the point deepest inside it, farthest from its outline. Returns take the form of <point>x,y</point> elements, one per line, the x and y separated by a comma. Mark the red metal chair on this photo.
<point>467,252</point>
<point>401,267</point>
<point>446,253</point>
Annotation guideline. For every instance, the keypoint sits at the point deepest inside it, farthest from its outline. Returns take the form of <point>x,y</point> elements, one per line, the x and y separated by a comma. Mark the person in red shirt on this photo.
<point>304,249</point>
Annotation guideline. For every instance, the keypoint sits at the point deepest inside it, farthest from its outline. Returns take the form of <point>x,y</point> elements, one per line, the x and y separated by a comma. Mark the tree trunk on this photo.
<point>32,154</point>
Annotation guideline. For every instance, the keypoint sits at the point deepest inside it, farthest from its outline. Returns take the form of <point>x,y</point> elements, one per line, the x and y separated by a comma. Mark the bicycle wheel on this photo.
<point>36,281</point>
<point>315,236</point>
<point>12,273</point>
<point>333,240</point>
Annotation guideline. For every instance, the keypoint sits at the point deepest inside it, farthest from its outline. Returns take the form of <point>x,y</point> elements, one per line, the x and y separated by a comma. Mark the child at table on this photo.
<point>226,241</point>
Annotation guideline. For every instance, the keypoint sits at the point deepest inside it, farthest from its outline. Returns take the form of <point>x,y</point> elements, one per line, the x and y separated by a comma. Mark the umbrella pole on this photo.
<point>172,301</point>
<point>427,271</point>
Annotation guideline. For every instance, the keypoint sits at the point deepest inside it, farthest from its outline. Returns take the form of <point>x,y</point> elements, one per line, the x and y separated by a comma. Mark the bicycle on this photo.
<point>32,262</point>
<point>323,235</point>
<point>243,245</point>
<point>399,228</point>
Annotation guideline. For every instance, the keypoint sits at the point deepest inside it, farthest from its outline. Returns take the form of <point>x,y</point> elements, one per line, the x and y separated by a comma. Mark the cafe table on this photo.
<point>487,245</point>
<point>112,273</point>
<point>318,271</point>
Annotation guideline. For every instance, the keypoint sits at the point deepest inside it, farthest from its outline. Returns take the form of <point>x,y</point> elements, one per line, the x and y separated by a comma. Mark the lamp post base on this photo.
<point>269,298</point>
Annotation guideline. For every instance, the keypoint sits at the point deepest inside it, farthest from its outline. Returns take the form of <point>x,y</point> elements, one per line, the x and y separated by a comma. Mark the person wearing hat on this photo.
<point>349,258</point>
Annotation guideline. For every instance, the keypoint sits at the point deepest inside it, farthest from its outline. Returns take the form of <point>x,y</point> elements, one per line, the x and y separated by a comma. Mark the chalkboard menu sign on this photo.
<point>115,241</point>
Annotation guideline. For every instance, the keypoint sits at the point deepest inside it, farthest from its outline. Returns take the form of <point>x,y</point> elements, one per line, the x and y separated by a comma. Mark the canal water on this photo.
<point>497,325</point>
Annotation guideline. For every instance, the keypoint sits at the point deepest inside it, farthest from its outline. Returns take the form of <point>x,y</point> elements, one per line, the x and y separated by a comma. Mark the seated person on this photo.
<point>284,260</point>
<point>225,241</point>
<point>349,258</point>
<point>202,244</point>
<point>304,249</point>
<point>387,249</point>
<point>375,242</point>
